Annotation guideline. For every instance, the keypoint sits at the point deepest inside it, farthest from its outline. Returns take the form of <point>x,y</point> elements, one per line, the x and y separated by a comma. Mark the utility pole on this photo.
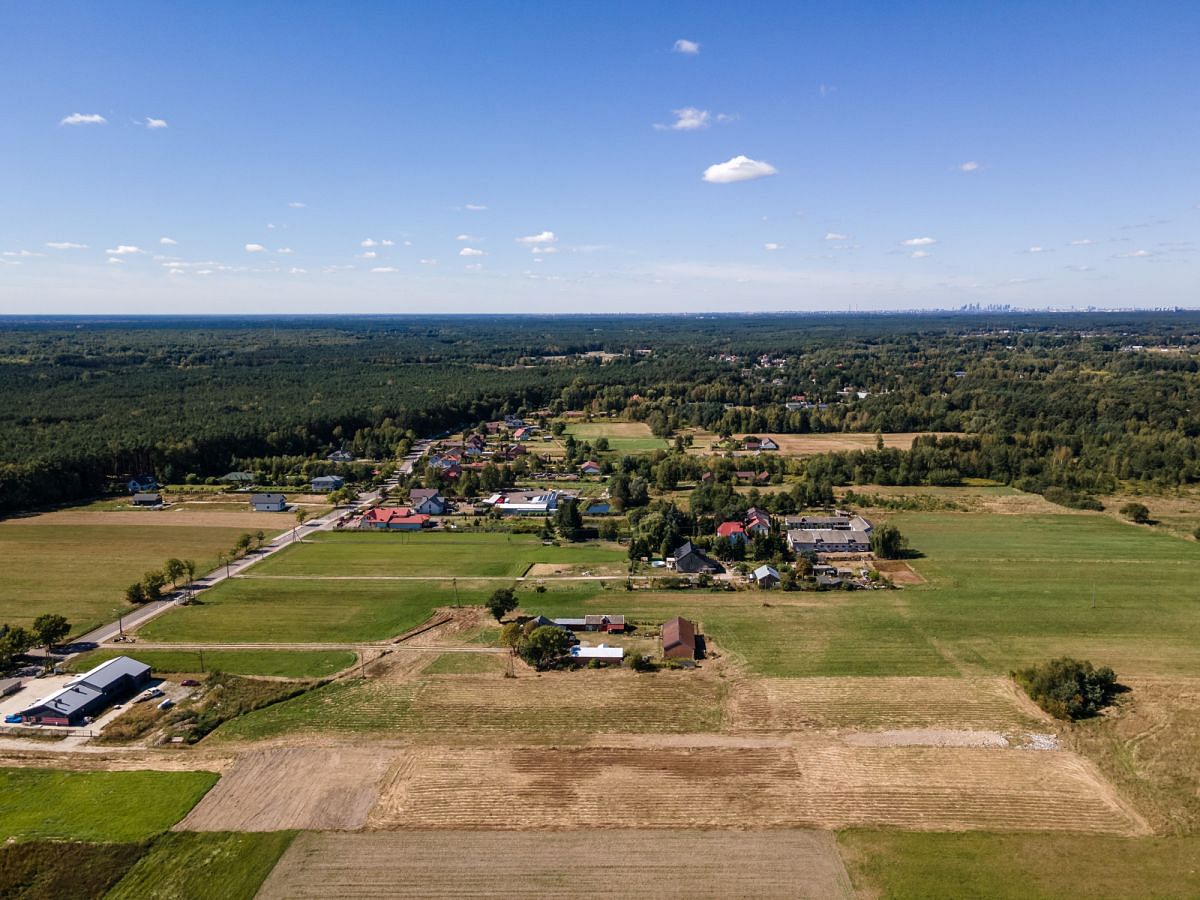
<point>201,652</point>
<point>454,581</point>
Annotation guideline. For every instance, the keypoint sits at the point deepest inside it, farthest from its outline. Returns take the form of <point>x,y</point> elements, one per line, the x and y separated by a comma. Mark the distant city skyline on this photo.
<point>487,158</point>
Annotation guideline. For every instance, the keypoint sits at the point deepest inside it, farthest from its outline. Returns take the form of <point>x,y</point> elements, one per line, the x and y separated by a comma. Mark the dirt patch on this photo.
<point>552,570</point>
<point>275,790</point>
<point>899,571</point>
<point>1026,505</point>
<point>813,444</point>
<point>926,737</point>
<point>821,782</point>
<point>633,863</point>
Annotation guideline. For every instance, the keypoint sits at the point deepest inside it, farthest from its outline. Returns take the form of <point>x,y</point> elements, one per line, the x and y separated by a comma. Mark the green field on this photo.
<point>623,437</point>
<point>281,663</point>
<point>40,804</point>
<point>433,555</point>
<point>1005,591</point>
<point>185,865</point>
<point>47,870</point>
<point>911,865</point>
<point>81,571</point>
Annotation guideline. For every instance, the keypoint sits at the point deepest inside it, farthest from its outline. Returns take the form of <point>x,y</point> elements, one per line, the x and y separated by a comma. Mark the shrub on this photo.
<point>1136,512</point>
<point>1067,688</point>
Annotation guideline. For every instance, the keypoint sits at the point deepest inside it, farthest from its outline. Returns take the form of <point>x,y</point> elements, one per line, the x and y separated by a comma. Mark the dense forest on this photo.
<point>1070,402</point>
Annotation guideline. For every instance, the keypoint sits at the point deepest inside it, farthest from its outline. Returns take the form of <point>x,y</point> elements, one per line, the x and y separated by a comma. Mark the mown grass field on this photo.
<point>895,865</point>
<point>120,807</point>
<point>285,664</point>
<point>81,571</point>
<point>430,554</point>
<point>229,865</point>
<point>1008,590</point>
<point>623,437</point>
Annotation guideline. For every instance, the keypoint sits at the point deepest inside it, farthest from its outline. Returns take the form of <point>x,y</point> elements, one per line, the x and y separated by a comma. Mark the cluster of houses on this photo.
<point>678,636</point>
<point>756,523</point>
<point>497,442</point>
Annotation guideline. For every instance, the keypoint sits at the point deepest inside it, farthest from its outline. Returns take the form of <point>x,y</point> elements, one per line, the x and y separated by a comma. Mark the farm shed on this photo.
<point>584,651</point>
<point>679,639</point>
<point>89,693</point>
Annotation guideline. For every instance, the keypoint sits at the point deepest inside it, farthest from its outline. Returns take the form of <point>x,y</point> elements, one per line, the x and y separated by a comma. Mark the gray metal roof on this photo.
<point>268,498</point>
<point>105,675</point>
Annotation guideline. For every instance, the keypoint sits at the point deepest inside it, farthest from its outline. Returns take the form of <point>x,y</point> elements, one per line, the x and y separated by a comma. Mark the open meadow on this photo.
<point>188,864</point>
<point>81,569</point>
<point>623,437</point>
<point>274,663</point>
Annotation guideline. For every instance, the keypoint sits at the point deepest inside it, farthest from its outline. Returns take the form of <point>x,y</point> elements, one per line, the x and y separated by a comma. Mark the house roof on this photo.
<point>729,529</point>
<point>329,479</point>
<point>80,691</point>
<point>258,499</point>
<point>582,651</point>
<point>147,498</point>
<point>692,559</point>
<point>394,515</point>
<point>417,494</point>
<point>765,571</point>
<point>678,632</point>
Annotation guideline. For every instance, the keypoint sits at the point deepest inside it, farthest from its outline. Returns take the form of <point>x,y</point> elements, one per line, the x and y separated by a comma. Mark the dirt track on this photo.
<point>661,864</point>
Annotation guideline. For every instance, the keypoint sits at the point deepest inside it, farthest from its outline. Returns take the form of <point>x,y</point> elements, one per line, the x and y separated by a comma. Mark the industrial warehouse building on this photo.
<point>89,694</point>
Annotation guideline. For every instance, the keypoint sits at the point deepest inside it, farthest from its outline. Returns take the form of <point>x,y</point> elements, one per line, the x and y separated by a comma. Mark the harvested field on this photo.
<point>270,523</point>
<point>796,704</point>
<point>817,783</point>
<point>561,706</point>
<point>277,790</point>
<point>813,444</point>
<point>794,864</point>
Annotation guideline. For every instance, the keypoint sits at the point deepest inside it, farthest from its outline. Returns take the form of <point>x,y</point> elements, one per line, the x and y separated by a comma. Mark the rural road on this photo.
<point>375,645</point>
<point>143,614</point>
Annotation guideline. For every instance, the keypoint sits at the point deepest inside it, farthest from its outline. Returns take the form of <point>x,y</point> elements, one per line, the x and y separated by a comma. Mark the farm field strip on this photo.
<point>822,783</point>
<point>671,864</point>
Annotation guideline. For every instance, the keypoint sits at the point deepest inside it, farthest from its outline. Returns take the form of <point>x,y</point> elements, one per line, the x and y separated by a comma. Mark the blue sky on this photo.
<point>349,157</point>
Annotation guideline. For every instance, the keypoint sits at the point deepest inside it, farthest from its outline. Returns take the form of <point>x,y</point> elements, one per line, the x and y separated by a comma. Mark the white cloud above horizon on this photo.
<point>124,250</point>
<point>919,242</point>
<point>151,122</point>
<point>65,245</point>
<point>835,236</point>
<point>686,47</point>
<point>84,119</point>
<point>167,242</point>
<point>920,254</point>
<point>690,118</point>
<point>771,245</point>
<point>255,248</point>
<point>476,207</point>
<point>384,269</point>
<point>296,204</point>
<point>740,168</point>
<point>545,237</point>
<point>969,166</point>
<point>369,242</point>
<point>471,251</point>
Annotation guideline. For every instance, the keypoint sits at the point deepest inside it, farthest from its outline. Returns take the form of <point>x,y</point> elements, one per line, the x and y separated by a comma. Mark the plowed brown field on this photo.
<point>820,782</point>
<point>275,790</point>
<point>662,864</point>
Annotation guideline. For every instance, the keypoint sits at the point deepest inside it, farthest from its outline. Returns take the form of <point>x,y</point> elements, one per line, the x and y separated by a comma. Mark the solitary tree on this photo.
<point>545,646</point>
<point>301,516</point>
<point>887,542</point>
<point>136,593</point>
<point>174,569</point>
<point>502,602</point>
<point>13,642</point>
<point>1136,512</point>
<point>49,629</point>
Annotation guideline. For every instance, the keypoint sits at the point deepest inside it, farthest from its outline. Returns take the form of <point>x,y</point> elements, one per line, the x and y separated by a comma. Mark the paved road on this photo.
<point>373,645</point>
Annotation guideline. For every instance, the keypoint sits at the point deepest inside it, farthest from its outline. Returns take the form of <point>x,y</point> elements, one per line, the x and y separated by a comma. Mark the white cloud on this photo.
<point>167,242</point>
<point>1136,254</point>
<point>476,207</point>
<point>919,242</point>
<point>473,267</point>
<point>689,48</point>
<point>834,236</point>
<point>428,262</point>
<point>155,123</point>
<point>772,246</point>
<point>466,237</point>
<point>369,254</point>
<point>23,253</point>
<point>970,166</point>
<point>383,269</point>
<point>284,250</point>
<point>295,270</point>
<point>84,119</point>
<point>386,243</point>
<point>545,250</point>
<point>1080,268</point>
<point>545,237</point>
<point>368,243</point>
<point>470,251</point>
<point>1035,250</point>
<point>1082,242</point>
<point>124,250</point>
<point>296,204</point>
<point>691,119</point>
<point>116,260</point>
<point>920,254</point>
<point>740,168</point>
<point>826,89</point>
<point>65,245</point>
<point>255,248</point>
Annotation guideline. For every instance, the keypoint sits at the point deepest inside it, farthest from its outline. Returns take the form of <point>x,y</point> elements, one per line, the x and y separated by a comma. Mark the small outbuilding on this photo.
<point>147,499</point>
<point>679,639</point>
<point>766,576</point>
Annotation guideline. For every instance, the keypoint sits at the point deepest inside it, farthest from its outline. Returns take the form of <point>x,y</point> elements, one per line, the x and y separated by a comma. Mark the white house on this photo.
<point>268,502</point>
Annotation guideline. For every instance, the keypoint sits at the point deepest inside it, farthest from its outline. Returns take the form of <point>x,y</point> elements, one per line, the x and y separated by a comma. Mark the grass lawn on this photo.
<point>285,664</point>
<point>623,437</point>
<point>437,554</point>
<point>1008,590</point>
<point>900,865</point>
<point>185,864</point>
<point>81,571</point>
<point>40,804</point>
